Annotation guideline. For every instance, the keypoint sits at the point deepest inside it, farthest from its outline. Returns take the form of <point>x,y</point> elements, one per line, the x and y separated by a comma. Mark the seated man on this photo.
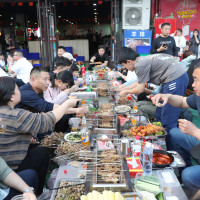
<point>60,52</point>
<point>61,65</point>
<point>182,139</point>
<point>100,56</point>
<point>32,97</point>
<point>21,68</point>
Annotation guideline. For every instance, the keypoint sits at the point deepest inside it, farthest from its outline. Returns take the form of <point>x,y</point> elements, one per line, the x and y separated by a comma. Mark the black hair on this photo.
<point>20,53</point>
<point>165,24</point>
<point>101,47</point>
<point>187,53</point>
<point>7,89</point>
<point>179,29</point>
<point>194,31</point>
<point>62,47</point>
<point>127,53</point>
<point>74,68</point>
<point>65,76</point>
<point>63,62</point>
<point>38,69</point>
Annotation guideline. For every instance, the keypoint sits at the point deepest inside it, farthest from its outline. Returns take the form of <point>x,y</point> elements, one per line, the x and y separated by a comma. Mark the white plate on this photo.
<point>122,109</point>
<point>72,133</point>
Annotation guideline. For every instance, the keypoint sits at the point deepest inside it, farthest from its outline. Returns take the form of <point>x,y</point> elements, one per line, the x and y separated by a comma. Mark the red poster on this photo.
<point>159,21</point>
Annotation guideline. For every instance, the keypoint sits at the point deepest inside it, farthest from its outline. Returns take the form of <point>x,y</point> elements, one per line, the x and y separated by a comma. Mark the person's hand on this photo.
<point>162,48</point>
<point>160,97</point>
<point>114,88</point>
<point>10,59</point>
<point>74,88</point>
<point>187,127</point>
<point>123,93</point>
<point>77,83</point>
<point>72,102</point>
<point>30,195</point>
<point>82,110</point>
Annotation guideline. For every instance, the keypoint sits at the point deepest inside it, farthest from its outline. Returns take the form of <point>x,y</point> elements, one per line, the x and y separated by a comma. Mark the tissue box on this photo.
<point>134,171</point>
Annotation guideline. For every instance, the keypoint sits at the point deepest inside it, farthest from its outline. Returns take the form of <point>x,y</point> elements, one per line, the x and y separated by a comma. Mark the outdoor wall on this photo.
<point>83,29</point>
<point>168,6</point>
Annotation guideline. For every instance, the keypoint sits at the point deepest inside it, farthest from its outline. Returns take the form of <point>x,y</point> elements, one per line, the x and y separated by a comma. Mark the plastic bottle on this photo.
<point>136,146</point>
<point>87,77</point>
<point>147,159</point>
<point>83,71</point>
<point>171,16</point>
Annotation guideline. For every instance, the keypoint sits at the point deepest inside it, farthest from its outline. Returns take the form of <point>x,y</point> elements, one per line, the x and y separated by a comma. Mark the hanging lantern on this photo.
<point>20,4</point>
<point>12,4</point>
<point>30,3</point>
<point>75,3</point>
<point>100,2</point>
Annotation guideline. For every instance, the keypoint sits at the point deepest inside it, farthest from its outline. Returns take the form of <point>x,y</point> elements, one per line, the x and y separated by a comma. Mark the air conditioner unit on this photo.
<point>136,14</point>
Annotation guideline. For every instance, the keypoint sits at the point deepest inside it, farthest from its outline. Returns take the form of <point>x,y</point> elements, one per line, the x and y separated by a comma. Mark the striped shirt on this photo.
<point>20,126</point>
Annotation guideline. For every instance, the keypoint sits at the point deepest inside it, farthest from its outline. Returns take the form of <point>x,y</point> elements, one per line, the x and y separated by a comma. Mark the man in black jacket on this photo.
<point>164,43</point>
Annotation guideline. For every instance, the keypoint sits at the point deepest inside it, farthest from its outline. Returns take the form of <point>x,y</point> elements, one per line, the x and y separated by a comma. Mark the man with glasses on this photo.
<point>20,67</point>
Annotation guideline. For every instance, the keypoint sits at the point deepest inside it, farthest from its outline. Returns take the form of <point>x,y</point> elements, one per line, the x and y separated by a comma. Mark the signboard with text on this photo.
<point>134,38</point>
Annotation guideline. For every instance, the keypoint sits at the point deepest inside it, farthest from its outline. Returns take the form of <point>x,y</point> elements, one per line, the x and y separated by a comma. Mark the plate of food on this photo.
<point>162,158</point>
<point>73,137</point>
<point>122,109</point>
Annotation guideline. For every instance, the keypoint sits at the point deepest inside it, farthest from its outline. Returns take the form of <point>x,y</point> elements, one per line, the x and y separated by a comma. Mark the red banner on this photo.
<point>159,21</point>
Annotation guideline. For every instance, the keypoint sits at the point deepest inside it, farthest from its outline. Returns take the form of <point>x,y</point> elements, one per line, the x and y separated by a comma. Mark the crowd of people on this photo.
<point>34,102</point>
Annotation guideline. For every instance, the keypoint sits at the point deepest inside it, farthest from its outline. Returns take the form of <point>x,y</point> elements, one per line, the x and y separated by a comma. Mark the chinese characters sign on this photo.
<point>134,38</point>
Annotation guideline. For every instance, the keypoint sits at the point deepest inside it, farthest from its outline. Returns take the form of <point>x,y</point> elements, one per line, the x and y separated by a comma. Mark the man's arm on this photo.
<point>104,64</point>
<point>136,90</point>
<point>92,59</point>
<point>174,100</point>
<point>129,87</point>
<point>154,47</point>
<point>175,50</point>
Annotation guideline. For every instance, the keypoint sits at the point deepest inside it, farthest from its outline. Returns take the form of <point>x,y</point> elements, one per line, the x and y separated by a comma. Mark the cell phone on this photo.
<point>164,45</point>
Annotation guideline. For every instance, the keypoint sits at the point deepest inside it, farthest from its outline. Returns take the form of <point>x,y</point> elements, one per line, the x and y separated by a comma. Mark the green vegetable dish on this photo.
<point>74,137</point>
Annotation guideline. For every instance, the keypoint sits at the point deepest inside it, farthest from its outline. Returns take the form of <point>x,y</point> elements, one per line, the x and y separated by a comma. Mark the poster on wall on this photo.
<point>134,38</point>
<point>159,21</point>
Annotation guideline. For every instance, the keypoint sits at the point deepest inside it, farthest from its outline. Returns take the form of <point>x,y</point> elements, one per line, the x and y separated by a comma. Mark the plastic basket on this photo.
<point>80,58</point>
<point>69,49</point>
<point>33,56</point>
<point>143,49</point>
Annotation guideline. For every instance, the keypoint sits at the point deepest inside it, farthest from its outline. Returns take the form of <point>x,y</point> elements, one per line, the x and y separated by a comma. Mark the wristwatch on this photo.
<point>30,189</point>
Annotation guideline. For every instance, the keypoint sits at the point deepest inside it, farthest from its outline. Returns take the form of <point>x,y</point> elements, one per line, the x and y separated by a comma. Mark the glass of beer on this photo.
<point>2,126</point>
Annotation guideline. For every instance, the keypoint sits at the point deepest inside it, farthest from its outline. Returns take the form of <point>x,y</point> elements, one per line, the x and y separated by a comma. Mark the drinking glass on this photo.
<point>2,126</point>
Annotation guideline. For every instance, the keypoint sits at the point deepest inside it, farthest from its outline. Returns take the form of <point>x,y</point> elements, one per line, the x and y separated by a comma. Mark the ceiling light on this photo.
<point>94,4</point>
<point>35,23</point>
<point>11,24</point>
<point>95,9</point>
<point>11,18</point>
<point>67,20</point>
<point>95,13</point>
<point>59,16</point>
<point>72,23</point>
<point>0,15</point>
<point>28,21</point>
